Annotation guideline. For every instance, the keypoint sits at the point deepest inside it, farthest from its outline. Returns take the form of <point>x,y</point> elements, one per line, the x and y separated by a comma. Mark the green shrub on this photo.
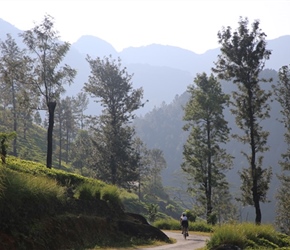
<point>172,224</point>
<point>284,239</point>
<point>132,203</point>
<point>200,226</point>
<point>88,191</point>
<point>227,234</point>
<point>212,219</point>
<point>85,192</point>
<point>21,185</point>
<point>26,196</point>
<point>190,215</point>
<point>167,224</point>
<point>111,195</point>
<point>248,236</point>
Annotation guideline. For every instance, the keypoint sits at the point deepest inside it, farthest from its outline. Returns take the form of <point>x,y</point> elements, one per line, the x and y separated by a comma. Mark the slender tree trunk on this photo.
<point>14,120</point>
<point>67,145</point>
<point>51,109</point>
<point>60,139</point>
<point>256,198</point>
<point>113,170</point>
<point>209,176</point>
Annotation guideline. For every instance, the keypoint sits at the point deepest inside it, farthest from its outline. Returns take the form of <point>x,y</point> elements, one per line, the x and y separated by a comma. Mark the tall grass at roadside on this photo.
<point>172,224</point>
<point>248,236</point>
<point>227,234</point>
<point>167,224</point>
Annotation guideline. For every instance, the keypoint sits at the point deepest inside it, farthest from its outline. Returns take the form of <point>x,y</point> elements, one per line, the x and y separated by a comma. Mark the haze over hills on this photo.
<point>164,72</point>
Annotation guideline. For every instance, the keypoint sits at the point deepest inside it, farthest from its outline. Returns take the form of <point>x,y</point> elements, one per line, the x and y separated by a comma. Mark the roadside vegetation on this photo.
<point>248,236</point>
<point>100,185</point>
<point>44,208</point>
<point>233,235</point>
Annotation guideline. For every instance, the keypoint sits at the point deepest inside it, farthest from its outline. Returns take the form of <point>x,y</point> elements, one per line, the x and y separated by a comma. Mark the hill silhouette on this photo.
<point>164,72</point>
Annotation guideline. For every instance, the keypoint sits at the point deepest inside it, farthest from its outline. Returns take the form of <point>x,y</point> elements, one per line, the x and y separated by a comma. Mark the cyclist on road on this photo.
<point>184,223</point>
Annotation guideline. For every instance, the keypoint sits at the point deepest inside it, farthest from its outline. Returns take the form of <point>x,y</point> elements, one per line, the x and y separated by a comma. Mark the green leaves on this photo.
<point>242,58</point>
<point>115,159</point>
<point>204,158</point>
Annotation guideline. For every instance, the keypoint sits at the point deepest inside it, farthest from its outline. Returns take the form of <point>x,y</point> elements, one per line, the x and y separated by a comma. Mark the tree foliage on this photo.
<point>81,153</point>
<point>15,98</point>
<point>242,58</point>
<point>115,158</point>
<point>282,93</point>
<point>204,157</point>
<point>4,144</point>
<point>49,77</point>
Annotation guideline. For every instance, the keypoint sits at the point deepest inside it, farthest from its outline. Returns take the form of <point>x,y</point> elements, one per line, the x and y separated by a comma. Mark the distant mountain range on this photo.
<point>162,71</point>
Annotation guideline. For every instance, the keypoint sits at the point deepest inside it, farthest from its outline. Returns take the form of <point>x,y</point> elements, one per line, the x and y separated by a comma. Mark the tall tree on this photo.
<point>81,152</point>
<point>204,158</point>
<point>157,164</point>
<point>80,102</point>
<point>66,127</point>
<point>243,56</point>
<point>282,93</point>
<point>143,163</point>
<point>13,67</point>
<point>111,86</point>
<point>49,76</point>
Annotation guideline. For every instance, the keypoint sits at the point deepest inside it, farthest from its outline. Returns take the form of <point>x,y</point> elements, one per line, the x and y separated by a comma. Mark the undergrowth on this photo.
<point>248,236</point>
<point>172,224</point>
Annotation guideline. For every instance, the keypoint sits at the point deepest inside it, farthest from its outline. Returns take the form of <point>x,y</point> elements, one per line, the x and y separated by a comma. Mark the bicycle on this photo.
<point>185,232</point>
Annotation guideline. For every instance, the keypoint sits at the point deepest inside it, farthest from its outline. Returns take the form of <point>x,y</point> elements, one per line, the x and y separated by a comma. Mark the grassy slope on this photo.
<point>45,208</point>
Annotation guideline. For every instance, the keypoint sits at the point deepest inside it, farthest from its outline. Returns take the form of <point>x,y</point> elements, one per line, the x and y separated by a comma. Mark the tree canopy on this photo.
<point>48,77</point>
<point>242,58</point>
<point>115,158</point>
<point>204,157</point>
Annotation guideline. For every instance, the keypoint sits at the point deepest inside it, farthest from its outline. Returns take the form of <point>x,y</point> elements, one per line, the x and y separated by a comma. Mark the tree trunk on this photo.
<point>256,198</point>
<point>51,108</point>
<point>113,170</point>
<point>14,120</point>
<point>60,140</point>
<point>258,218</point>
<point>209,175</point>
<point>67,145</point>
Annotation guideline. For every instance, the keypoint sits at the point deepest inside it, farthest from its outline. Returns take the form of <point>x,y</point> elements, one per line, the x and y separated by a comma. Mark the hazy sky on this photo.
<point>189,24</point>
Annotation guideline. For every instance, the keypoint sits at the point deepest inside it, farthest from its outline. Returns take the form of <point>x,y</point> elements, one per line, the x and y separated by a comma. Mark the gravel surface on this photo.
<point>192,242</point>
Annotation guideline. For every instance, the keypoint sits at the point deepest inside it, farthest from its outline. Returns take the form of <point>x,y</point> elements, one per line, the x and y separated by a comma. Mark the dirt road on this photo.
<point>192,242</point>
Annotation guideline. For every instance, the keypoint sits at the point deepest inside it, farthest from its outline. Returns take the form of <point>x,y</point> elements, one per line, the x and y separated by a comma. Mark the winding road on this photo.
<point>192,242</point>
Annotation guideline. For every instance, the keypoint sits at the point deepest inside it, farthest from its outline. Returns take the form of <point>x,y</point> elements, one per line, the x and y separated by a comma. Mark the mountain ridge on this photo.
<point>151,65</point>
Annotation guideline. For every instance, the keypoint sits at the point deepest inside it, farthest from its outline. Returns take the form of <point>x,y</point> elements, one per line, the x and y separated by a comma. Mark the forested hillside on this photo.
<point>162,128</point>
<point>102,147</point>
<point>156,77</point>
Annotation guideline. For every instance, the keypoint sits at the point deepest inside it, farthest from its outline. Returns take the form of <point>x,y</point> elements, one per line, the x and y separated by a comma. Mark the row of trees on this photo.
<point>242,59</point>
<point>106,147</point>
